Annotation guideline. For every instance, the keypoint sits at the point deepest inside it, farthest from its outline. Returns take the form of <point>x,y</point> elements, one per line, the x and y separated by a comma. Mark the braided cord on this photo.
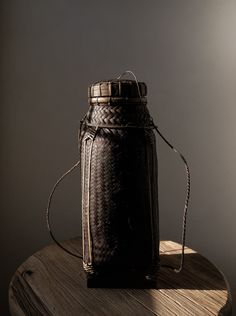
<point>184,221</point>
<point>49,206</point>
<point>91,136</point>
<point>75,166</point>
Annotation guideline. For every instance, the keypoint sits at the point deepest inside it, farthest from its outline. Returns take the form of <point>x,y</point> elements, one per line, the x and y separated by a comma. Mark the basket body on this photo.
<point>119,191</point>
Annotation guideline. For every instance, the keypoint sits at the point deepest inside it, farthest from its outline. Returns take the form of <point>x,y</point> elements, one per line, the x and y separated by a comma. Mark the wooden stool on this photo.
<point>51,282</point>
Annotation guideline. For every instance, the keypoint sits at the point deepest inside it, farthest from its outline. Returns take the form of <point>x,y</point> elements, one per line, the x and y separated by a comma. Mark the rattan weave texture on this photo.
<point>119,189</point>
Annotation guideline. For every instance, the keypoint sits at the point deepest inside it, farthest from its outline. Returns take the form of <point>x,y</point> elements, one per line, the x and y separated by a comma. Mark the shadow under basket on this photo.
<point>121,279</point>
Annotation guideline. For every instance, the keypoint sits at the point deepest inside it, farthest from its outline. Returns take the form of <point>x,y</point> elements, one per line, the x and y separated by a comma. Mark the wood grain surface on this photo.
<point>52,282</point>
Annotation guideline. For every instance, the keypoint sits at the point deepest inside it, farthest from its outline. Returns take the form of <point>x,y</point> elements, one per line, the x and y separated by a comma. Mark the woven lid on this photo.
<point>117,92</point>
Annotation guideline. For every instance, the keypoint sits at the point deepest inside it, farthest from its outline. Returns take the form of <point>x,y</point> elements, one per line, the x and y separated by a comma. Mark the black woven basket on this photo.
<point>120,223</point>
<point>119,186</point>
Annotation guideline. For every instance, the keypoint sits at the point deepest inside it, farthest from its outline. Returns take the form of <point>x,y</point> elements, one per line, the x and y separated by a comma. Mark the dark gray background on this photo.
<point>51,50</point>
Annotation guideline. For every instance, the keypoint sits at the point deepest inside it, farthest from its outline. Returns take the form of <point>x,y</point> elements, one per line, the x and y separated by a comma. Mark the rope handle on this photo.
<point>76,165</point>
<point>186,204</point>
<point>91,136</point>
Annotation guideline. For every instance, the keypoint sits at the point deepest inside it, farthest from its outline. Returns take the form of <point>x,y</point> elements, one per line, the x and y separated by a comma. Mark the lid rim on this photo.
<point>118,89</point>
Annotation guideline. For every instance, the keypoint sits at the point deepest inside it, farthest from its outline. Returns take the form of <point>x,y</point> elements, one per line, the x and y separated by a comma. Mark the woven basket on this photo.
<point>119,182</point>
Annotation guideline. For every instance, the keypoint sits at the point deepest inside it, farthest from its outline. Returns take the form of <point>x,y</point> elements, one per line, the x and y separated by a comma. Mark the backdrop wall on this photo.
<point>52,50</point>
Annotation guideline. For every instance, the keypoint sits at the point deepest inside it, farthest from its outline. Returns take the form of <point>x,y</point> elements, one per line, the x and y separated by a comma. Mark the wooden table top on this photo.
<point>51,282</point>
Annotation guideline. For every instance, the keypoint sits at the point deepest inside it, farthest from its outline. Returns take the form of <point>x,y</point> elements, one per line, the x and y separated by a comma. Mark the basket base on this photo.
<point>118,280</point>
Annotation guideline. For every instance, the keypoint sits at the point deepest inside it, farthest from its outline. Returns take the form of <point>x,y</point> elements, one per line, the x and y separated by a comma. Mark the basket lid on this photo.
<point>117,92</point>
